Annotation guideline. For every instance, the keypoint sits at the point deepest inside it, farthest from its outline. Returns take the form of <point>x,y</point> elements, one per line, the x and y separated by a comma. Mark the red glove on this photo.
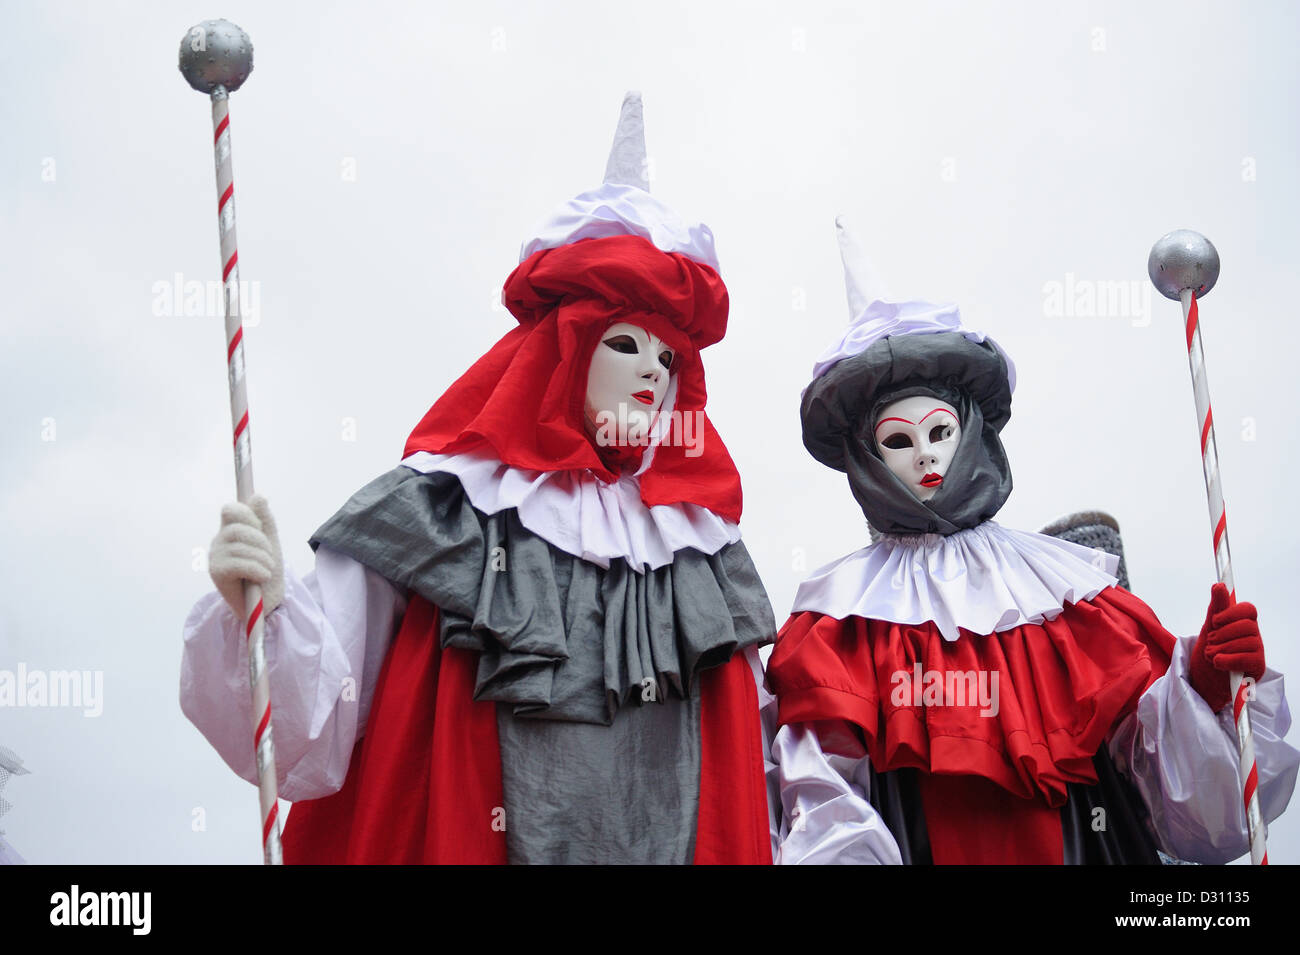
<point>1229,641</point>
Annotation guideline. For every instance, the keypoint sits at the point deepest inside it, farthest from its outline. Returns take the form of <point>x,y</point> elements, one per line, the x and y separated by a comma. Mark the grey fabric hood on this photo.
<point>839,410</point>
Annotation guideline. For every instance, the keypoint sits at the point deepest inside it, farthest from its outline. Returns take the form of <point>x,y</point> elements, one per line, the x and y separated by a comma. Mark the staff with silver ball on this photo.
<point>216,57</point>
<point>1184,265</point>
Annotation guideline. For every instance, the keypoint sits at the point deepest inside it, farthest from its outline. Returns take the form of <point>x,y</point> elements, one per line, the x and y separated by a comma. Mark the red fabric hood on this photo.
<point>564,299</point>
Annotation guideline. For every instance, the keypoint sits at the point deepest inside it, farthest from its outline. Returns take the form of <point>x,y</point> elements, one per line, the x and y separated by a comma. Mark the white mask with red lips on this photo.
<point>626,384</point>
<point>917,438</point>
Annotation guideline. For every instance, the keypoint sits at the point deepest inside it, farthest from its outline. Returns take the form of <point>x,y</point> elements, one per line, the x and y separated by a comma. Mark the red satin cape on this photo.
<point>992,785</point>
<point>424,784</point>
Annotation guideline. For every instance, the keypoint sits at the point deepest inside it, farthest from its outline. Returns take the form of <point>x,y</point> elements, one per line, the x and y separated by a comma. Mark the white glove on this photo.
<point>247,548</point>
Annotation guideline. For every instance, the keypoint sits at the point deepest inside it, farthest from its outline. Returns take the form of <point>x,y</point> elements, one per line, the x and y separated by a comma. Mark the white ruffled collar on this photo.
<point>583,515</point>
<point>983,579</point>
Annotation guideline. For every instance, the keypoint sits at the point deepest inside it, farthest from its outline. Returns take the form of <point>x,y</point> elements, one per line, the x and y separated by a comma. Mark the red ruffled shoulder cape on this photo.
<point>424,783</point>
<point>1061,687</point>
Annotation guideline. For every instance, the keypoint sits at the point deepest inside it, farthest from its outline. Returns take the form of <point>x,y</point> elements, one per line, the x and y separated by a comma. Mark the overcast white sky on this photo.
<point>984,152</point>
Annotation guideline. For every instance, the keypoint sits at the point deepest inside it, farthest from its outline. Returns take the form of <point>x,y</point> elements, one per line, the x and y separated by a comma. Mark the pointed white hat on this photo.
<point>622,204</point>
<point>874,315</point>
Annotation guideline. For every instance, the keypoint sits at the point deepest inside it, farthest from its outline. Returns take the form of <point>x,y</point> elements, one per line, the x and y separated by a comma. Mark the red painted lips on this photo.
<point>645,397</point>
<point>932,480</point>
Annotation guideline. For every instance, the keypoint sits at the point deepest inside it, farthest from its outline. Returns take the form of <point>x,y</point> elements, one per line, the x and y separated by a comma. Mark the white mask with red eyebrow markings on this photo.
<point>626,384</point>
<point>917,438</point>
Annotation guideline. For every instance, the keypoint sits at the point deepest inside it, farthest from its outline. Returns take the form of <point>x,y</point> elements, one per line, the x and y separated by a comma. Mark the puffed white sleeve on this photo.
<point>324,647</point>
<point>1182,758</point>
<point>821,774</point>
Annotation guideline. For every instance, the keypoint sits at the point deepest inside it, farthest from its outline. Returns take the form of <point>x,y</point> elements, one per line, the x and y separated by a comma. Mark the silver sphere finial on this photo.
<point>1183,259</point>
<point>216,54</point>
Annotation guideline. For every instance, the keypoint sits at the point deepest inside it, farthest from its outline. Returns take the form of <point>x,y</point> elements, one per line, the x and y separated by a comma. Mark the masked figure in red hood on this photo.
<point>545,614</point>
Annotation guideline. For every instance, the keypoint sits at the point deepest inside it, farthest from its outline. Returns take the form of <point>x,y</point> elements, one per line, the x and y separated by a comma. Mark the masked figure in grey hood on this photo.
<point>841,409</point>
<point>961,692</point>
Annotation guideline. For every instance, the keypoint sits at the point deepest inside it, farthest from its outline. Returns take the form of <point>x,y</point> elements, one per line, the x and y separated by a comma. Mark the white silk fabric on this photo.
<point>984,579</point>
<point>583,515</point>
<point>325,646</point>
<point>618,209</point>
<point>884,318</point>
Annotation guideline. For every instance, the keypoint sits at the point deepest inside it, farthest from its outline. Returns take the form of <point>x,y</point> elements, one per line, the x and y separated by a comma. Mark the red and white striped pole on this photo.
<point>215,58</point>
<point>1185,265</point>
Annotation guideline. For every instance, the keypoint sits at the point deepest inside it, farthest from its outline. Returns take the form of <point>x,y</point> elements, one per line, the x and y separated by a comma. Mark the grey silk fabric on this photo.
<point>839,411</point>
<point>579,793</point>
<point>559,638</point>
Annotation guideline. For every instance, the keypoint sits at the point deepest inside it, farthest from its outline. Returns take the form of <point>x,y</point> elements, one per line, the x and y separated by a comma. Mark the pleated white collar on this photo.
<point>984,579</point>
<point>582,515</point>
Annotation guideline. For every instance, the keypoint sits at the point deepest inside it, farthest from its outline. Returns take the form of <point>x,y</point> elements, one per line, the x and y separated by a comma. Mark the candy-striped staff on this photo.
<point>216,57</point>
<point>1184,265</point>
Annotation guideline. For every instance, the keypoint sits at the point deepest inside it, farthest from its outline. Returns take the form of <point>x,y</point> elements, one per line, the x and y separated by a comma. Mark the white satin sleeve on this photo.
<point>324,647</point>
<point>822,815</point>
<point>1182,758</point>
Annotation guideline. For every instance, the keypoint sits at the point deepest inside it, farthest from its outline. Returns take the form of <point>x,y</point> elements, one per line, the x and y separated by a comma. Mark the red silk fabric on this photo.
<point>424,784</point>
<point>1062,687</point>
<point>732,825</point>
<point>971,821</point>
<point>524,398</point>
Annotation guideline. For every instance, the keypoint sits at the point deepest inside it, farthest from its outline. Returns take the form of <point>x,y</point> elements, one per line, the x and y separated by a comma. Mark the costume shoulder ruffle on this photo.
<point>558,637</point>
<point>983,579</point>
<point>1027,707</point>
<point>586,517</point>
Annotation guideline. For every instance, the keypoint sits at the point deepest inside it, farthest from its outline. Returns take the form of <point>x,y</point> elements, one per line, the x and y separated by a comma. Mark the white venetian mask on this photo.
<point>626,384</point>
<point>917,438</point>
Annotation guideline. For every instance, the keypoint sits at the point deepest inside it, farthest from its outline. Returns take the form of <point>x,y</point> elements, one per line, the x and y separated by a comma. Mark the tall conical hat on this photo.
<point>622,204</point>
<point>627,163</point>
